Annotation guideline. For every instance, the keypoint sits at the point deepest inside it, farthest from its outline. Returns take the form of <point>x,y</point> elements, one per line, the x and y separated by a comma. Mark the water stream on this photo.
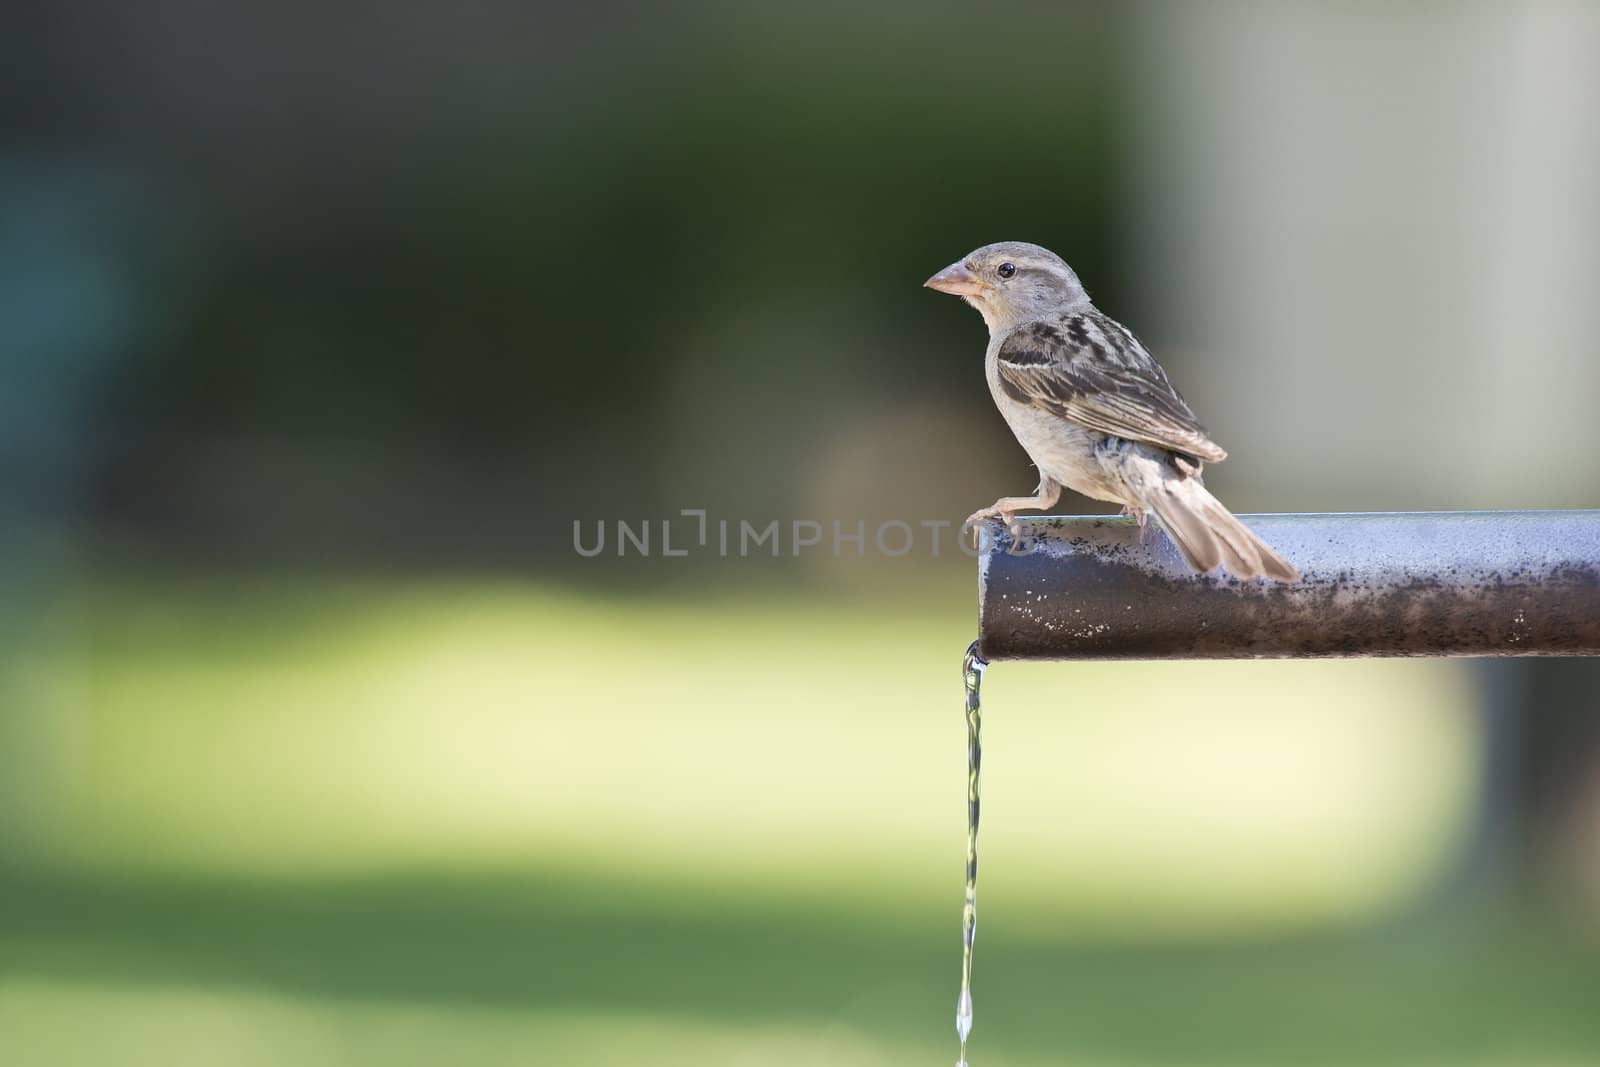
<point>972,666</point>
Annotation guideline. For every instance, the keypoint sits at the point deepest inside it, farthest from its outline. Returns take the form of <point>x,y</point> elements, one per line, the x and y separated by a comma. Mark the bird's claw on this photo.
<point>1139,515</point>
<point>978,517</point>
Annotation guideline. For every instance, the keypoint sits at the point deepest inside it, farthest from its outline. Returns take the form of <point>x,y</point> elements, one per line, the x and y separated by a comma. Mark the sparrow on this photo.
<point>1094,410</point>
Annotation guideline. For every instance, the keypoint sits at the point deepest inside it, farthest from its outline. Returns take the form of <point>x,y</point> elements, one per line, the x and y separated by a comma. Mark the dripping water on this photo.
<point>972,665</point>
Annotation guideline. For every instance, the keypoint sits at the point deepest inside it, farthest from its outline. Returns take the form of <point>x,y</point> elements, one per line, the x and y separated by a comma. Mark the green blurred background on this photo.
<point>321,325</point>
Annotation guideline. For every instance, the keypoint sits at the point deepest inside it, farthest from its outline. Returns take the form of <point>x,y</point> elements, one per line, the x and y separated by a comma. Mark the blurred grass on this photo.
<point>415,970</point>
<point>295,819</point>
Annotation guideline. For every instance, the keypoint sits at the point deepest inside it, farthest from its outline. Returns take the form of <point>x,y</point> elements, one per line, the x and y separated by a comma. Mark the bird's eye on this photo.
<point>1006,270</point>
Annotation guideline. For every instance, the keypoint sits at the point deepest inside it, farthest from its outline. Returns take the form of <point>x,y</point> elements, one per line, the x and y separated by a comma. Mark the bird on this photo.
<point>1094,410</point>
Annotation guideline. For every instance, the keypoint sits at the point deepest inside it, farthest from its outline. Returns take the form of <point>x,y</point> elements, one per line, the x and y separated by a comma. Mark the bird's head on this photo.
<point>1012,282</point>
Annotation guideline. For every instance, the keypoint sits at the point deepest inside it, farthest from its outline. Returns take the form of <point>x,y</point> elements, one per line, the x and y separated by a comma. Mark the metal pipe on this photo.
<point>1477,583</point>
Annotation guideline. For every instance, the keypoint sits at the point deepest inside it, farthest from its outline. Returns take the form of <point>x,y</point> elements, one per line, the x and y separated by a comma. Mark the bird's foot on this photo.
<point>977,518</point>
<point>1140,516</point>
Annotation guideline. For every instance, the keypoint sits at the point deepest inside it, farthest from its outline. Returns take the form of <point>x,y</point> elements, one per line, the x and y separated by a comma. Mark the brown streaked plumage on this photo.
<point>1090,369</point>
<point>1094,409</point>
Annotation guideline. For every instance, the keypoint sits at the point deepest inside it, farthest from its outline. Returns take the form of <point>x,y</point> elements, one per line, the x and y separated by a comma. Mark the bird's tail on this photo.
<point>1207,533</point>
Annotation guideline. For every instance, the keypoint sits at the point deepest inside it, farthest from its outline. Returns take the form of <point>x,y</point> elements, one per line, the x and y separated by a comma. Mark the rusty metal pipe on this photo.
<point>1478,583</point>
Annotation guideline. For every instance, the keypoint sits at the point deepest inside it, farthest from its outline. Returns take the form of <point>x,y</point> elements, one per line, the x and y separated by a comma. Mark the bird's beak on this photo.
<point>956,280</point>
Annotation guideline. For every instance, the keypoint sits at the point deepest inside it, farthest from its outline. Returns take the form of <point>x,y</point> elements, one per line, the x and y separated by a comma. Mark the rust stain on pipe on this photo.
<point>1407,584</point>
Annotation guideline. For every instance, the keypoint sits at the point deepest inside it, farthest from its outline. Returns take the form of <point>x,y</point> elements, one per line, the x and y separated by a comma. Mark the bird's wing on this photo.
<point>1091,370</point>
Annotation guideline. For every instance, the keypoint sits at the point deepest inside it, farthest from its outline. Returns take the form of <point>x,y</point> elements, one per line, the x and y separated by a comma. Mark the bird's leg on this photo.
<point>1044,497</point>
<point>1140,516</point>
